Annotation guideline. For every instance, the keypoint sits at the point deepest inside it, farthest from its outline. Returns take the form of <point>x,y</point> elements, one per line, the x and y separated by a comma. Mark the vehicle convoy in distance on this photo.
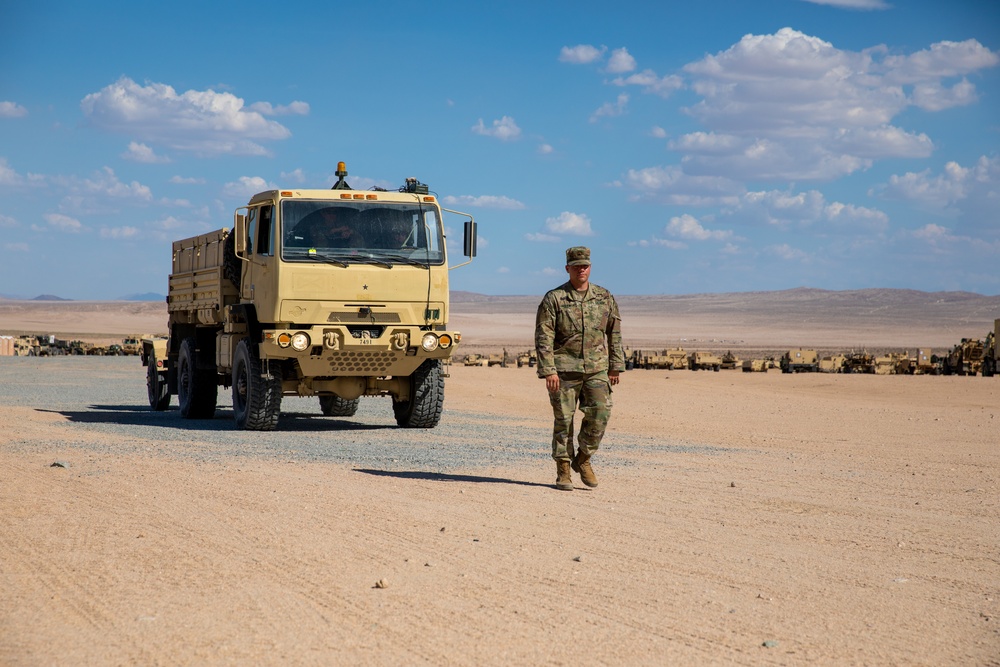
<point>336,294</point>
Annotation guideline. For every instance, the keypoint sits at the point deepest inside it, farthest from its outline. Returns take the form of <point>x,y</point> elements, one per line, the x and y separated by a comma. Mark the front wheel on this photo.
<point>423,410</point>
<point>156,386</point>
<point>197,391</point>
<point>335,406</point>
<point>256,390</point>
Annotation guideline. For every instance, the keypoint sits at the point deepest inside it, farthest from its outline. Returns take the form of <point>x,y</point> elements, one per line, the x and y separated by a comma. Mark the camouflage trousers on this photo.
<point>592,393</point>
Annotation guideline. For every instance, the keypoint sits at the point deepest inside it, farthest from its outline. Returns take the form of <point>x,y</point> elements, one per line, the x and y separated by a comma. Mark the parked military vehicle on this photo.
<point>527,359</point>
<point>800,361</point>
<point>923,363</point>
<point>859,362</point>
<point>337,294</point>
<point>497,360</point>
<point>131,345</point>
<point>991,351</point>
<point>886,364</point>
<point>474,359</point>
<point>670,359</point>
<point>729,361</point>
<point>755,365</point>
<point>966,358</point>
<point>704,361</point>
<point>833,363</point>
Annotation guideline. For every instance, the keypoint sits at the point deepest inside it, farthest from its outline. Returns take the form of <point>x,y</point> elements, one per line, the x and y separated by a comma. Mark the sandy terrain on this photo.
<point>740,519</point>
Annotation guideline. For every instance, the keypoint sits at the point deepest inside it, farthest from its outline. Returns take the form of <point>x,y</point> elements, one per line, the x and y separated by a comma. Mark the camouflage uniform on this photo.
<point>578,336</point>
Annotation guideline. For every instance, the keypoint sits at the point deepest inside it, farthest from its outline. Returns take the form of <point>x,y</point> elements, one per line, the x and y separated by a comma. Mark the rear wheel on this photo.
<point>156,386</point>
<point>256,390</point>
<point>423,410</point>
<point>335,406</point>
<point>197,390</point>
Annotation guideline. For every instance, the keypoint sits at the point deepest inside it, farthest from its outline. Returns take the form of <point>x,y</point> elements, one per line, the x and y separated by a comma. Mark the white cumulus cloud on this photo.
<point>63,222</point>
<point>620,61</point>
<point>246,186</point>
<point>12,110</point>
<point>484,201</point>
<point>504,129</point>
<point>610,109</point>
<point>569,223</point>
<point>853,4</point>
<point>791,106</point>
<point>142,153</point>
<point>581,54</point>
<point>688,227</point>
<point>205,122</point>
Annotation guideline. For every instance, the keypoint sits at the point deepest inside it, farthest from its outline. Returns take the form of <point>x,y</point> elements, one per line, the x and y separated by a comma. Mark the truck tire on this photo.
<point>423,410</point>
<point>335,406</point>
<point>197,390</point>
<point>156,386</point>
<point>256,391</point>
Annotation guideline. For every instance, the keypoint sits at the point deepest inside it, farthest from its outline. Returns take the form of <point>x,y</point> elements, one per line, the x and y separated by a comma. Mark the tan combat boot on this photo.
<point>564,478</point>
<point>581,464</point>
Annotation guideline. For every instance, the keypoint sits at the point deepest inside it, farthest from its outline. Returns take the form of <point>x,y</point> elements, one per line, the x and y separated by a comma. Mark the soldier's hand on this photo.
<point>613,377</point>
<point>552,383</point>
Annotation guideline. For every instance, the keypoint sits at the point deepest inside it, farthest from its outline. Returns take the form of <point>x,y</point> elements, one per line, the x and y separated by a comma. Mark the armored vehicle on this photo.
<point>800,361</point>
<point>336,294</point>
<point>966,358</point>
<point>755,365</point>
<point>729,361</point>
<point>528,359</point>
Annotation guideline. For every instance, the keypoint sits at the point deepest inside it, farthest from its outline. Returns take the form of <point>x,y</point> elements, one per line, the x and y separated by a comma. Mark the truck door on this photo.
<point>259,250</point>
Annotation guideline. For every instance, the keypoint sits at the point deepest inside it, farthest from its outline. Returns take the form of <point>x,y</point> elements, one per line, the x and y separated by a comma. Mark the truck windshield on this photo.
<point>393,233</point>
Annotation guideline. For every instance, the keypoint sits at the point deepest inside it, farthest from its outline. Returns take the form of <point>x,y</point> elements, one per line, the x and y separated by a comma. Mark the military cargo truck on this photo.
<point>674,359</point>
<point>800,361</point>
<point>336,294</point>
<point>704,361</point>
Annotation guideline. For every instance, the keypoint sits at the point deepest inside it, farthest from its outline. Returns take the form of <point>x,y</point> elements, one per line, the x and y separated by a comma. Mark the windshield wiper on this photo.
<point>406,259</point>
<point>317,257</point>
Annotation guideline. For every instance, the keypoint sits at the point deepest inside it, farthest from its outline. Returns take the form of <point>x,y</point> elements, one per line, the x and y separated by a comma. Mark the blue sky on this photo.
<point>703,146</point>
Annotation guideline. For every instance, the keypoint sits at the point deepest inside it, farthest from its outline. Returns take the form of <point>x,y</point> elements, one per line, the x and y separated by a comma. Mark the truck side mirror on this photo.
<point>240,229</point>
<point>469,242</point>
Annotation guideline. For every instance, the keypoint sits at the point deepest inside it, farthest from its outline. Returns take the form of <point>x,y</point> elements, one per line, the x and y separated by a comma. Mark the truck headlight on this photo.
<point>300,341</point>
<point>429,342</point>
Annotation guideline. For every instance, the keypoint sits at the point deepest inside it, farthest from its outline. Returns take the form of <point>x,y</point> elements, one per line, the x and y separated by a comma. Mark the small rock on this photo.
<point>732,485</point>
<point>770,643</point>
<point>442,528</point>
<point>578,559</point>
<point>382,583</point>
<point>60,464</point>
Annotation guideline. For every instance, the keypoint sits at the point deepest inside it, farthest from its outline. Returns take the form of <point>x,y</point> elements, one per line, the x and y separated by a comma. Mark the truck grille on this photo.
<point>369,362</point>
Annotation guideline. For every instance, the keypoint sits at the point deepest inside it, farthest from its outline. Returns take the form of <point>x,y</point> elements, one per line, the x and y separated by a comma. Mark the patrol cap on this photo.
<point>578,256</point>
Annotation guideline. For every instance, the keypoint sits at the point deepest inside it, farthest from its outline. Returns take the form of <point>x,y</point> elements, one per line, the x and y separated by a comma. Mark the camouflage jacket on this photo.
<point>578,333</point>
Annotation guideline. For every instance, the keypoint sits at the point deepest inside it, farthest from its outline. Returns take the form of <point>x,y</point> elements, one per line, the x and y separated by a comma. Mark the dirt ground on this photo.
<point>741,518</point>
